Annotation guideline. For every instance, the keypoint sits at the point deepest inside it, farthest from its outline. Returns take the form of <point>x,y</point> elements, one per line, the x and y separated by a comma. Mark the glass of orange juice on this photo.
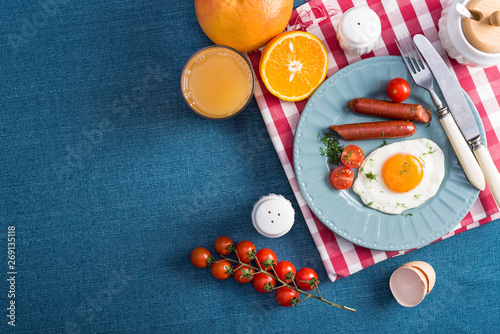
<point>217,82</point>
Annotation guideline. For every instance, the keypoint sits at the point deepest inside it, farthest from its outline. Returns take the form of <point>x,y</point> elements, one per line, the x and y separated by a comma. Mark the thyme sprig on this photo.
<point>332,149</point>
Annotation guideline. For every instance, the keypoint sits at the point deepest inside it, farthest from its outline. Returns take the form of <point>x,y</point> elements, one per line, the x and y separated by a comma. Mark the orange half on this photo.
<point>293,65</point>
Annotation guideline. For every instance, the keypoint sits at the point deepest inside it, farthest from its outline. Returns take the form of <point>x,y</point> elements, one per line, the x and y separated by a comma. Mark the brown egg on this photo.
<point>426,269</point>
<point>411,282</point>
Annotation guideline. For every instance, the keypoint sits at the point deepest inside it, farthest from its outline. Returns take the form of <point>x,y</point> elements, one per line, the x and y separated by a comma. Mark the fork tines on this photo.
<point>416,62</point>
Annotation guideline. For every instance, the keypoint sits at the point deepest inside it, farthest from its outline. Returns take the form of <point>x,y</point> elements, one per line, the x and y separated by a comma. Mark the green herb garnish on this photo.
<point>384,142</point>
<point>371,176</point>
<point>333,149</point>
<point>421,158</point>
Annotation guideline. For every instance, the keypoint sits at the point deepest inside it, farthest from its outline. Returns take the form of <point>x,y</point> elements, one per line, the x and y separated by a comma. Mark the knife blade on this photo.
<point>459,108</point>
<point>451,90</point>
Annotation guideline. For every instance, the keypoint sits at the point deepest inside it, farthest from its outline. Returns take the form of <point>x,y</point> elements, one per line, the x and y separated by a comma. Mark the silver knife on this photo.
<point>457,104</point>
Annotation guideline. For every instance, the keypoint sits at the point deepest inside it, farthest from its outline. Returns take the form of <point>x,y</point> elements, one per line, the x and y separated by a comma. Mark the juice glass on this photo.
<point>217,82</point>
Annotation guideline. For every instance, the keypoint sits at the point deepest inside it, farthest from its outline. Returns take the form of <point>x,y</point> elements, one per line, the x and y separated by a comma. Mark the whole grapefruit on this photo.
<point>245,25</point>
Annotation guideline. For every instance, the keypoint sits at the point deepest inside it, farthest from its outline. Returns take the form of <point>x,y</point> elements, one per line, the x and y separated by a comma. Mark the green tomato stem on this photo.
<point>300,301</point>
<point>284,284</point>
<point>317,289</point>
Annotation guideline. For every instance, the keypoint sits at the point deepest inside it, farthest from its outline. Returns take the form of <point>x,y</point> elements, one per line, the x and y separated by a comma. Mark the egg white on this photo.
<point>375,194</point>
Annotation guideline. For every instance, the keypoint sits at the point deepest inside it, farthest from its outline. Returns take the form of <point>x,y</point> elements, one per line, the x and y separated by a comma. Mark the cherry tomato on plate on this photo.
<point>263,283</point>
<point>352,156</point>
<point>341,177</point>
<point>284,270</point>
<point>246,251</point>
<point>221,269</point>
<point>398,89</point>
<point>200,257</point>
<point>287,297</point>
<point>224,245</point>
<point>306,279</point>
<point>266,258</point>
<point>243,274</point>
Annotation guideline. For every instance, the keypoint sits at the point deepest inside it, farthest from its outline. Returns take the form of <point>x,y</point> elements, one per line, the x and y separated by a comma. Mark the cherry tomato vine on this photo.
<point>267,274</point>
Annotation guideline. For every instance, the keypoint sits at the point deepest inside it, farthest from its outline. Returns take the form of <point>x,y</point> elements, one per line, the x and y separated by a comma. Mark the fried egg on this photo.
<point>400,176</point>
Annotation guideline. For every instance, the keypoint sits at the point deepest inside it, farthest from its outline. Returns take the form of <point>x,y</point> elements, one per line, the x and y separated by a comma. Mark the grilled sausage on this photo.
<point>375,130</point>
<point>393,110</point>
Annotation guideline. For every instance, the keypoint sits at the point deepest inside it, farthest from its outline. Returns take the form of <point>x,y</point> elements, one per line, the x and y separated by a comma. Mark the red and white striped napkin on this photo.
<point>320,17</point>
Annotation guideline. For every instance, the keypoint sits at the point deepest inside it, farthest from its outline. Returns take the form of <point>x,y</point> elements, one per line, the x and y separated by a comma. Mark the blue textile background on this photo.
<point>111,181</point>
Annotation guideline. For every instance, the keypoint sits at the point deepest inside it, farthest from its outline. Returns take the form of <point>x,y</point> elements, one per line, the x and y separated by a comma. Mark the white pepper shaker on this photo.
<point>359,30</point>
<point>273,216</point>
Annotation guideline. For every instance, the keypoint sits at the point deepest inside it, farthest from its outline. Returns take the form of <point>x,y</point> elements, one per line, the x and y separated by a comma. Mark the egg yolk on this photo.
<point>402,172</point>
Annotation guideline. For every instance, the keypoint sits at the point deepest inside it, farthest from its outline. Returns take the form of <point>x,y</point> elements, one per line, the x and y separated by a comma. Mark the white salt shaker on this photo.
<point>273,216</point>
<point>474,41</point>
<point>359,30</point>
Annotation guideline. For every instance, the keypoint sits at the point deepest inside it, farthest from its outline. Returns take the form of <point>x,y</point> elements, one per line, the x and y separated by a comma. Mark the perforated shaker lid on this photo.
<point>273,216</point>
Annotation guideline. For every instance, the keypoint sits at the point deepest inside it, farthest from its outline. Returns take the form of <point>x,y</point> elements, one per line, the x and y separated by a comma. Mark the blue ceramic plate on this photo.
<point>342,211</point>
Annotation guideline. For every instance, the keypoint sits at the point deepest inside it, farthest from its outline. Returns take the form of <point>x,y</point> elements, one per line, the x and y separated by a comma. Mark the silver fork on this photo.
<point>419,72</point>
<point>423,77</point>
